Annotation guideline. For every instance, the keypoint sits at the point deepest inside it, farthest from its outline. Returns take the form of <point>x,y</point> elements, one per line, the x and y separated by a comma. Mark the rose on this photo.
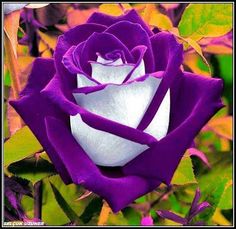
<point>134,109</point>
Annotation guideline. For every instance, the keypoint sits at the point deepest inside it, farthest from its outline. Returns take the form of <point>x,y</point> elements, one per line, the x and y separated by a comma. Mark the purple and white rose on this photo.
<point>113,109</point>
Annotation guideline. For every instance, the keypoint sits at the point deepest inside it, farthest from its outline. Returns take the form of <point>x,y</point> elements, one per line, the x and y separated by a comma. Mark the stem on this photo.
<point>38,200</point>
<point>168,190</point>
<point>11,62</point>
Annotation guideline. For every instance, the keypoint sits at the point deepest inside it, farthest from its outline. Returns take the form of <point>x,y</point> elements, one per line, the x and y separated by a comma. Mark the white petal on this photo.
<point>83,81</point>
<point>103,148</point>
<point>110,62</point>
<point>125,104</point>
<point>139,71</point>
<point>109,73</point>
<point>160,123</point>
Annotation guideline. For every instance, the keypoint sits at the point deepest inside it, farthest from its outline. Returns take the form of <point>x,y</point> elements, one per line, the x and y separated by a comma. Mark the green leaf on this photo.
<point>93,209</point>
<point>32,169</point>
<point>52,214</point>
<point>7,78</point>
<point>206,20</point>
<point>65,206</point>
<point>226,201</point>
<point>21,145</point>
<point>133,217</point>
<point>213,183</point>
<point>184,173</point>
<point>117,219</point>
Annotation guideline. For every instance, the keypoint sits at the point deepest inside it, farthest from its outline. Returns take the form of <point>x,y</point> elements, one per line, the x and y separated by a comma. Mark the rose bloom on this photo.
<point>113,109</point>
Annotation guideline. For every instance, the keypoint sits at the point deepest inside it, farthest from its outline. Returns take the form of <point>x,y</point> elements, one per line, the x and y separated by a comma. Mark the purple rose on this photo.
<point>113,109</point>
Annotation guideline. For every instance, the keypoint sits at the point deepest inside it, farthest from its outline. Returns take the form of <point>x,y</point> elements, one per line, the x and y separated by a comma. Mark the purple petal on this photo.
<point>140,37</point>
<point>173,59</point>
<point>172,216</point>
<point>198,209</point>
<point>195,201</point>
<point>187,116</point>
<point>33,108</point>
<point>200,155</point>
<point>83,170</point>
<point>107,20</point>
<point>72,37</point>
<point>101,43</point>
<point>93,120</point>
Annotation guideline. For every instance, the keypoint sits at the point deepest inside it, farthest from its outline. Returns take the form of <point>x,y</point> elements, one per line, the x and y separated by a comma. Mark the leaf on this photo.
<point>32,169</point>
<point>226,201</point>
<point>74,218</point>
<point>132,216</point>
<point>205,20</point>
<point>222,126</point>
<point>104,214</point>
<point>49,39</point>
<point>117,219</point>
<point>114,9</point>
<point>21,145</point>
<point>93,208</point>
<point>160,21</point>
<point>219,219</point>
<point>184,173</point>
<point>194,62</point>
<point>213,183</point>
<point>77,17</point>
<point>193,44</point>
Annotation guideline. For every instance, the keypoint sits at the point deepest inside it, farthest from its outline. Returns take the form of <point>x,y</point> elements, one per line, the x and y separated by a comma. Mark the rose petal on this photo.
<point>33,108</point>
<point>54,87</point>
<point>140,37</point>
<point>104,149</point>
<point>110,73</point>
<point>118,191</point>
<point>187,119</point>
<point>102,43</point>
<point>72,37</point>
<point>124,104</point>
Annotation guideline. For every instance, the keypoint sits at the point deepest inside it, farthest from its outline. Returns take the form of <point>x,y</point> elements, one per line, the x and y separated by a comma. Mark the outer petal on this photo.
<point>118,190</point>
<point>195,100</point>
<point>173,59</point>
<point>135,36</point>
<point>72,37</point>
<point>108,20</point>
<point>33,109</point>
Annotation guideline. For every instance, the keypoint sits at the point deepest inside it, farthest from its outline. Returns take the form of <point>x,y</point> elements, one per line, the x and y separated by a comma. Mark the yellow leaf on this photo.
<point>161,21</point>
<point>190,60</point>
<point>225,144</point>
<point>114,9</point>
<point>222,126</point>
<point>104,214</point>
<point>219,219</point>
<point>49,39</point>
<point>194,45</point>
